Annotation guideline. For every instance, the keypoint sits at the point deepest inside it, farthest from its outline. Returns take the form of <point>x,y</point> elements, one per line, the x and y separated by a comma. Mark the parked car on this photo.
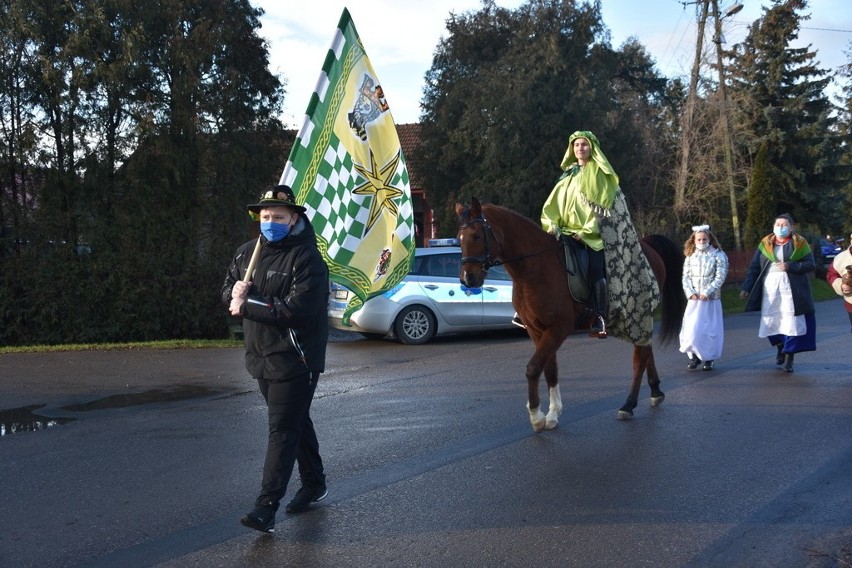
<point>830,248</point>
<point>430,300</point>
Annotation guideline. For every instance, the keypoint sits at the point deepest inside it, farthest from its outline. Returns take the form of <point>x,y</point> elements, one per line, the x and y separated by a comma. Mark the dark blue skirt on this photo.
<point>797,343</point>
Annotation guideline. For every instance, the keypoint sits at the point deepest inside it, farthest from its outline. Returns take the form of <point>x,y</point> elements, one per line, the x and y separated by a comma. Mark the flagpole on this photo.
<point>253,262</point>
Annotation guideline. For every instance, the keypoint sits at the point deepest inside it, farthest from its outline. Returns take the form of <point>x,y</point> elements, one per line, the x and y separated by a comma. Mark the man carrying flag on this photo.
<point>283,303</point>
<point>348,216</point>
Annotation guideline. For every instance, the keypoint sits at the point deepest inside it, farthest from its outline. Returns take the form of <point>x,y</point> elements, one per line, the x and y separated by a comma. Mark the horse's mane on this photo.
<point>518,220</point>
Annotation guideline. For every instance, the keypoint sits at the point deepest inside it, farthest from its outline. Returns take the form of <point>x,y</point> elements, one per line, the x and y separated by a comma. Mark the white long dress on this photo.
<point>702,333</point>
<point>777,312</point>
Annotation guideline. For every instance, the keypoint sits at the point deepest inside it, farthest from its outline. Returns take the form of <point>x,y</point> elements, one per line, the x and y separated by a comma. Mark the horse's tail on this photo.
<point>673,300</point>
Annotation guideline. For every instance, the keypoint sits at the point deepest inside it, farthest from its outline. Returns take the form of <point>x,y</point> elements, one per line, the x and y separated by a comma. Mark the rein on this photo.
<point>486,260</point>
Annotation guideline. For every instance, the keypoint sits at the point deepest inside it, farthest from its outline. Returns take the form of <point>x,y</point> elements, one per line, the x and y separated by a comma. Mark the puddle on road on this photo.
<point>146,397</point>
<point>26,419</point>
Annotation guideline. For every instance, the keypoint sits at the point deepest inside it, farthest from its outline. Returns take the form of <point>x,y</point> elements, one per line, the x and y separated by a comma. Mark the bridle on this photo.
<point>485,260</point>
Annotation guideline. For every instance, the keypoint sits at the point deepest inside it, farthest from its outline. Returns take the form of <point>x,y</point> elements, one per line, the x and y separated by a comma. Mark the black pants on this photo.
<point>597,266</point>
<point>291,436</point>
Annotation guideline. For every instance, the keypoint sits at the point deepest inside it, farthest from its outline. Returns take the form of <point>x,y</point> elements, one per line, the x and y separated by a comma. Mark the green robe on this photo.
<point>570,212</point>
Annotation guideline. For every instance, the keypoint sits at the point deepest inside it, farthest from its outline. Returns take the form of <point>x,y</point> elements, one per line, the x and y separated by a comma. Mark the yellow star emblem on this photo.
<point>378,185</point>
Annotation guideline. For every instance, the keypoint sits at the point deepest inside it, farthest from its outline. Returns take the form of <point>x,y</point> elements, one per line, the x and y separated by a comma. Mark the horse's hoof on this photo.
<point>624,415</point>
<point>537,418</point>
<point>657,400</point>
<point>551,424</point>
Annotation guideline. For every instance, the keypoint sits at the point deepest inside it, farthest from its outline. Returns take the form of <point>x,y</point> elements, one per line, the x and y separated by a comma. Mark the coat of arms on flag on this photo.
<point>347,169</point>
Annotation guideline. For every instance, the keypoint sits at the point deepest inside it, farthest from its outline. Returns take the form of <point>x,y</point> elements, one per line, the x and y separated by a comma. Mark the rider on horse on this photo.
<point>581,198</point>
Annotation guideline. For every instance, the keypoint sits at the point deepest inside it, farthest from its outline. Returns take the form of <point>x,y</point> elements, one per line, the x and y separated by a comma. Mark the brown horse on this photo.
<point>490,235</point>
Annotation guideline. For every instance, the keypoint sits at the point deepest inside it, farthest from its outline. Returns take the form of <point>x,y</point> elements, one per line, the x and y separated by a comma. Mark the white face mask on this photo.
<point>701,246</point>
<point>782,231</point>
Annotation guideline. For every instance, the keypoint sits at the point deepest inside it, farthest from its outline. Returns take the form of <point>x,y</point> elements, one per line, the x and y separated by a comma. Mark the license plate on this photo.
<point>340,294</point>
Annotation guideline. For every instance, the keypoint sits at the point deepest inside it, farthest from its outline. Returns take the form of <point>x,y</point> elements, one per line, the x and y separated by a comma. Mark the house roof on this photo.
<point>409,141</point>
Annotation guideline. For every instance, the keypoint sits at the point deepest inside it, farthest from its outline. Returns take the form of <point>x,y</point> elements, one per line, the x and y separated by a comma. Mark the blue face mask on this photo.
<point>274,231</point>
<point>782,232</point>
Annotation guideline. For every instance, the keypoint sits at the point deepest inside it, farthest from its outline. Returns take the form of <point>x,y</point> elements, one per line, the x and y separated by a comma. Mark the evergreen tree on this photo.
<point>844,204</point>
<point>760,212</point>
<point>785,106</point>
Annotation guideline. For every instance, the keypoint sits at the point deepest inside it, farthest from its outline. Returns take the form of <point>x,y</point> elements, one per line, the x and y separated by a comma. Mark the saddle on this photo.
<point>577,267</point>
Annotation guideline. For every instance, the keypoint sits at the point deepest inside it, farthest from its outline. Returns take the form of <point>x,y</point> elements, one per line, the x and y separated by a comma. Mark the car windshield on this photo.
<point>446,265</point>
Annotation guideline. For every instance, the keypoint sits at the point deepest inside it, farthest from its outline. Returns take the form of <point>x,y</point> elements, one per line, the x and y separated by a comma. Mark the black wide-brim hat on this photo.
<point>280,195</point>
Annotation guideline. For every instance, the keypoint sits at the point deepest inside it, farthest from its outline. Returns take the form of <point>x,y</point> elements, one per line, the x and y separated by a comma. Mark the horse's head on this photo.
<point>479,247</point>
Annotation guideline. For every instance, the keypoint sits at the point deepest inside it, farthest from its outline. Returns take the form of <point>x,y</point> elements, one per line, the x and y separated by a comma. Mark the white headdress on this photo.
<point>700,228</point>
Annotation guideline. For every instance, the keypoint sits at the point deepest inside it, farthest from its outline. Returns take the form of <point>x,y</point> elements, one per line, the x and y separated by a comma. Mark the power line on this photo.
<point>825,30</point>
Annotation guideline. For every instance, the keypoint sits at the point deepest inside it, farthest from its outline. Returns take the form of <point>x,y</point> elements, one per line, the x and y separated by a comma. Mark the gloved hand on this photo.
<point>238,297</point>
<point>554,230</point>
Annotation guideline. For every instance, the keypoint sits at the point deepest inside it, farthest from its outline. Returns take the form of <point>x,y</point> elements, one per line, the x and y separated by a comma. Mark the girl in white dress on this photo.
<point>702,335</point>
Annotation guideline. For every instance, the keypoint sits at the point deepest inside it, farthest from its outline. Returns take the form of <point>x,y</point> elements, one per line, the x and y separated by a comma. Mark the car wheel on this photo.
<point>414,325</point>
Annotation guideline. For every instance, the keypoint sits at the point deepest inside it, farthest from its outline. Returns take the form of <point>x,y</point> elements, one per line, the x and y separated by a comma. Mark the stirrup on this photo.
<point>599,333</point>
<point>517,321</point>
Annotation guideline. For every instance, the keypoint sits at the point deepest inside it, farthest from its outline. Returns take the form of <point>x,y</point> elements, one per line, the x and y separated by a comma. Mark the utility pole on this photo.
<point>686,127</point>
<point>726,124</point>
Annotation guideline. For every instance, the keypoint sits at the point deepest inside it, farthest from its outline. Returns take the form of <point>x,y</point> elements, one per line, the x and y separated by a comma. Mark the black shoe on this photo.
<point>788,363</point>
<point>708,365</point>
<point>261,518</point>
<point>693,363</point>
<point>779,358</point>
<point>304,497</point>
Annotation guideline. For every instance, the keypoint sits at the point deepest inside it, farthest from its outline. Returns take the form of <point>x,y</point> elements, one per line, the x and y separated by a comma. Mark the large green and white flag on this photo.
<point>347,169</point>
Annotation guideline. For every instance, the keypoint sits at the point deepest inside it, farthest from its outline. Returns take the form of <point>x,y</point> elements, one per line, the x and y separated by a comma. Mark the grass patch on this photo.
<point>166,344</point>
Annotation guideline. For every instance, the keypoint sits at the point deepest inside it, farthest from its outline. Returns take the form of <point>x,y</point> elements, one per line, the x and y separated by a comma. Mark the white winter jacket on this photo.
<point>704,272</point>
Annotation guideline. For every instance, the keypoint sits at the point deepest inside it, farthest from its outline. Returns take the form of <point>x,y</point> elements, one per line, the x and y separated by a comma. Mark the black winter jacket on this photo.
<point>285,316</point>
<point>797,271</point>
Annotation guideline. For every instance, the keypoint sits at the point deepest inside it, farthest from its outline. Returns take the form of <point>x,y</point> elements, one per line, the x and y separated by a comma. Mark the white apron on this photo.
<point>777,312</point>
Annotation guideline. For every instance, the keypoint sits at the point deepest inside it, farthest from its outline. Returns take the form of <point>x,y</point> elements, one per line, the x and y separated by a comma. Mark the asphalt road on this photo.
<point>149,458</point>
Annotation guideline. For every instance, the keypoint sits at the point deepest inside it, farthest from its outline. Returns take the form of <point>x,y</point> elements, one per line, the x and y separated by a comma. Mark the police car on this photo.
<point>829,248</point>
<point>430,300</point>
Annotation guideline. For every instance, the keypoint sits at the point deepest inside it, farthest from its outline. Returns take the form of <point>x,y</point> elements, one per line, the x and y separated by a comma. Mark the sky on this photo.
<point>400,38</point>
